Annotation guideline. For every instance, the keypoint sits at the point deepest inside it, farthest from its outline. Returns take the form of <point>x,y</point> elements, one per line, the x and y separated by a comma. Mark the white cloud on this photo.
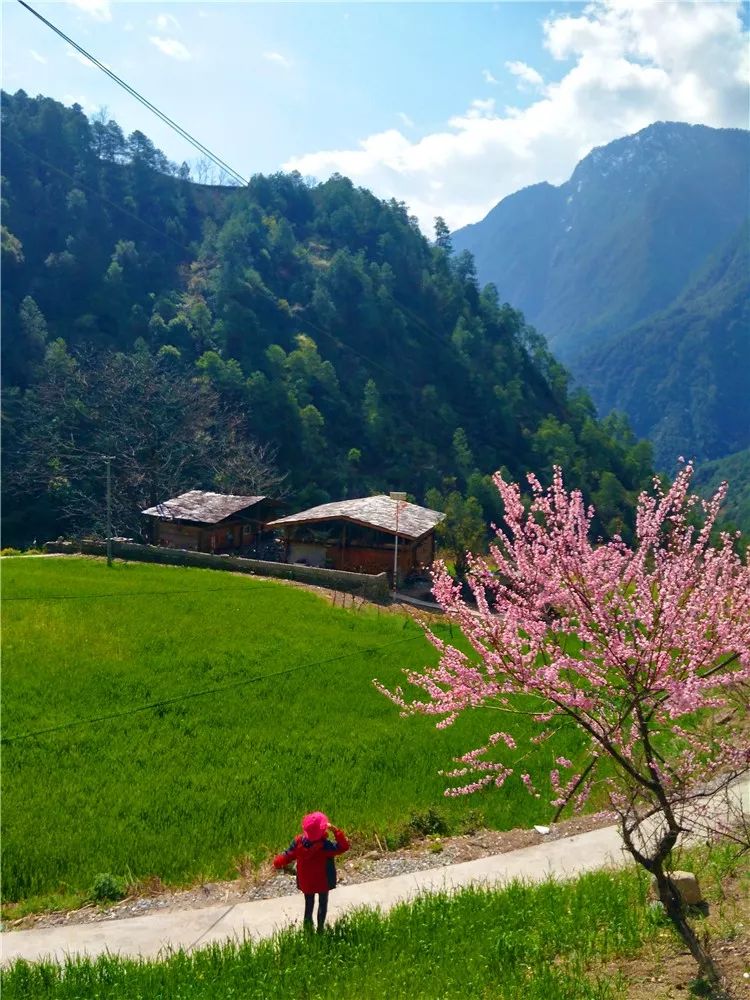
<point>405,119</point>
<point>171,47</point>
<point>35,55</point>
<point>634,62</point>
<point>527,74</point>
<point>479,108</point>
<point>98,9</point>
<point>166,22</point>
<point>278,59</point>
<point>488,77</point>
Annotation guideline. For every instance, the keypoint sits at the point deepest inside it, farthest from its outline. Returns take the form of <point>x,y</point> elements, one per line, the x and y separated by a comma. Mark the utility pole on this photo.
<point>399,498</point>
<point>108,462</point>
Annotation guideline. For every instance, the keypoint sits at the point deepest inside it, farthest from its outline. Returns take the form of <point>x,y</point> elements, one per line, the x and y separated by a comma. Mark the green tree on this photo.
<point>27,352</point>
<point>443,235</point>
<point>372,411</point>
<point>462,454</point>
<point>463,530</point>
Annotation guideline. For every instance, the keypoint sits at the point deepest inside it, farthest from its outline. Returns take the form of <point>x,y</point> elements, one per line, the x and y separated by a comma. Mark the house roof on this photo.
<point>197,505</point>
<point>374,512</point>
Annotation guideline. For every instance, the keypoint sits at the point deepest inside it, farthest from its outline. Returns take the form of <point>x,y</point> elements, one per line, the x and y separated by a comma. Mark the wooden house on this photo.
<point>208,522</point>
<point>360,535</point>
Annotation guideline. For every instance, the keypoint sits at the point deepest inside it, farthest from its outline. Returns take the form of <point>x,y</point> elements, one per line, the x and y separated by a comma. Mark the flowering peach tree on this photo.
<point>642,649</point>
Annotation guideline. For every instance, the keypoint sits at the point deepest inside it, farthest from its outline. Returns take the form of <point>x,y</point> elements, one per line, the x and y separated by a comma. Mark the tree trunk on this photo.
<point>675,910</point>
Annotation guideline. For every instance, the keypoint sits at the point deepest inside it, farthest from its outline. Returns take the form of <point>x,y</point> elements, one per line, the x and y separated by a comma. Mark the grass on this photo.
<point>192,789</point>
<point>536,942</point>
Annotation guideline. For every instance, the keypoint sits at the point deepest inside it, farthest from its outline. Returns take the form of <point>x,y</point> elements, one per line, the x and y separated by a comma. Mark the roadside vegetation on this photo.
<point>595,938</point>
<point>203,787</point>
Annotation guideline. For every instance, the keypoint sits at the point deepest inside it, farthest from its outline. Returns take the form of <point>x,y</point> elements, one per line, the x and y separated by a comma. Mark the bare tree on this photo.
<point>203,170</point>
<point>165,431</point>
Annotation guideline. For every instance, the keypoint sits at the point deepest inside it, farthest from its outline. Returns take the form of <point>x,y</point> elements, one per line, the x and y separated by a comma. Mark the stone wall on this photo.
<point>373,588</point>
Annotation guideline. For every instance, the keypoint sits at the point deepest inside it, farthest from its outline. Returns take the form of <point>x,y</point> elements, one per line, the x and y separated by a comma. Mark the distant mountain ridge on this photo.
<point>637,270</point>
<point>683,374</point>
<point>618,241</point>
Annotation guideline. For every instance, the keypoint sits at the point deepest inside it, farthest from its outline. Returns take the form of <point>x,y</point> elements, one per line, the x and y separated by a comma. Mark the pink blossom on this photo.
<point>626,643</point>
<point>526,779</point>
<point>505,737</point>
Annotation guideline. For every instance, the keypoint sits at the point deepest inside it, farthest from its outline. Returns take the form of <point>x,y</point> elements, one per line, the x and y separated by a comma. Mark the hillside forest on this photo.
<point>303,339</point>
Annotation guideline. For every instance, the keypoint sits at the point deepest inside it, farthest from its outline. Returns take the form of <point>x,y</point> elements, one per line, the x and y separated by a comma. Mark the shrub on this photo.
<point>10,552</point>
<point>423,824</point>
<point>393,841</point>
<point>107,887</point>
<point>473,821</point>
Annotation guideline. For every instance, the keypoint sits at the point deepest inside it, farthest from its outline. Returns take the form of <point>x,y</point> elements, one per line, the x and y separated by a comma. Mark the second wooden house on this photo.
<point>360,535</point>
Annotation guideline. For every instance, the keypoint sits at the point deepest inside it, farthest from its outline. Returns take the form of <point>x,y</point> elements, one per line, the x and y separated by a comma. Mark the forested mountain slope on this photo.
<point>734,469</point>
<point>318,320</point>
<point>683,375</point>
<point>621,239</point>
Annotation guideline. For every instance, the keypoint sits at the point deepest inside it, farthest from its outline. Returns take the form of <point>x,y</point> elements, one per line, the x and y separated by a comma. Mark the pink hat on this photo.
<point>315,825</point>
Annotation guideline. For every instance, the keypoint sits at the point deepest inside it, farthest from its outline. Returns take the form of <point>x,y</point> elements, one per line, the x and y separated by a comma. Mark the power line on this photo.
<point>205,691</point>
<point>245,591</point>
<point>139,97</point>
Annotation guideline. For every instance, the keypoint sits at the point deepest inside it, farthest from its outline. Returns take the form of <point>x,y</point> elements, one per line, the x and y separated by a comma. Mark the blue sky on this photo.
<point>448,106</point>
<point>342,70</point>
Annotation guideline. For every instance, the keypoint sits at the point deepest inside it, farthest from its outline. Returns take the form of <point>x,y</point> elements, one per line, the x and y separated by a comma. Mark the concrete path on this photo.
<point>159,933</point>
<point>416,602</point>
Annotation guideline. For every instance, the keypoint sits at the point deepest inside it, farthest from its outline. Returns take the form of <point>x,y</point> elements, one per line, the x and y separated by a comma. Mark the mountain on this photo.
<point>683,375</point>
<point>734,469</point>
<point>313,320</point>
<point>619,241</point>
<point>637,270</point>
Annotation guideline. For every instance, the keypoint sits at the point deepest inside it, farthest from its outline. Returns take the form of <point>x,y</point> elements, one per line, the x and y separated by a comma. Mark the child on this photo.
<point>316,869</point>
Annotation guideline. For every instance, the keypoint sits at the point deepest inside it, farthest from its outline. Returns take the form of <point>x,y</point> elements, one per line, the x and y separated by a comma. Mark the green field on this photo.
<point>188,789</point>
<point>537,943</point>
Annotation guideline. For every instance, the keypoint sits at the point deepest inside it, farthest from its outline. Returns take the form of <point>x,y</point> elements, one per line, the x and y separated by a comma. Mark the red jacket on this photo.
<point>316,869</point>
